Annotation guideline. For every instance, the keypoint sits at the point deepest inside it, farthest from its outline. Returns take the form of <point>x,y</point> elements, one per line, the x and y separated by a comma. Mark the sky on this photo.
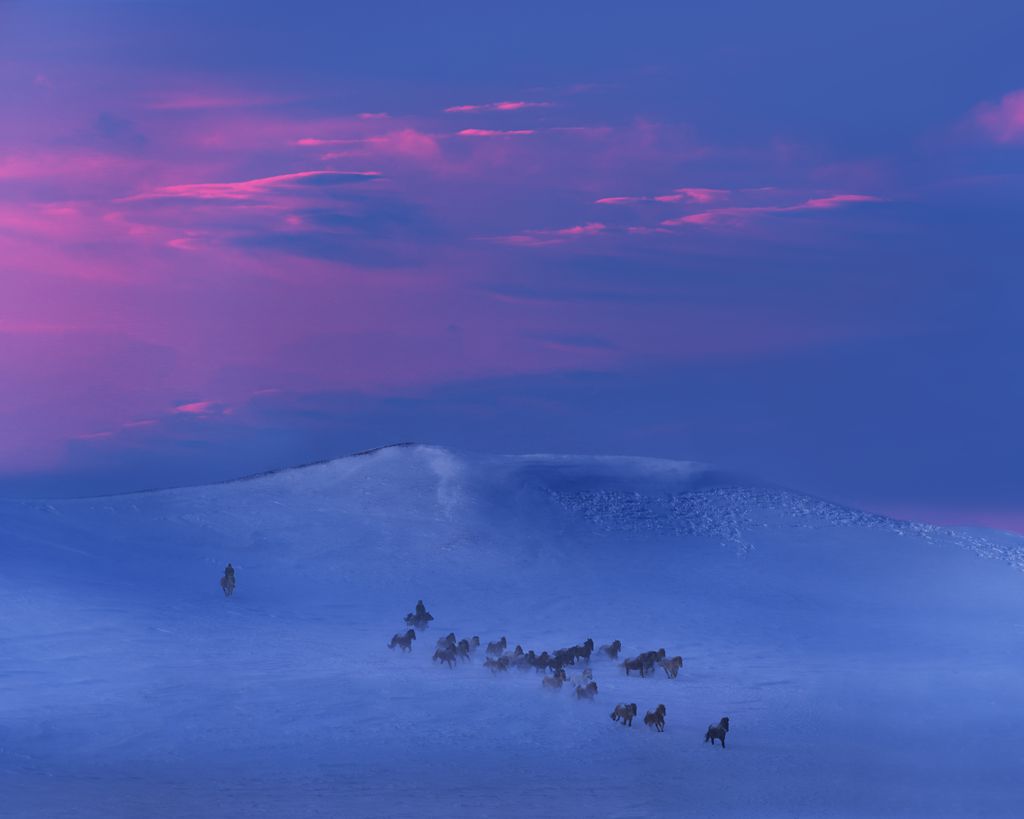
<point>782,238</point>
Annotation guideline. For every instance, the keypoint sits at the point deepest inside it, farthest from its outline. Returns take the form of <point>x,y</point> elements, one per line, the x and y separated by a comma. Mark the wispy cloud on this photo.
<point>697,195</point>
<point>202,408</point>
<point>94,436</point>
<point>516,105</point>
<point>408,143</point>
<point>481,132</point>
<point>737,216</point>
<point>251,188</point>
<point>540,238</point>
<point>1003,121</point>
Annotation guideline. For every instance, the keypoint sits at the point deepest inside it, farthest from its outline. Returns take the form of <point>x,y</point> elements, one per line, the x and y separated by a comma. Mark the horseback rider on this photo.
<point>229,572</point>
<point>420,608</point>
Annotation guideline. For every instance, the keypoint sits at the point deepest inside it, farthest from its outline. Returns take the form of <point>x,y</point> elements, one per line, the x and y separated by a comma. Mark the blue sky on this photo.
<point>779,237</point>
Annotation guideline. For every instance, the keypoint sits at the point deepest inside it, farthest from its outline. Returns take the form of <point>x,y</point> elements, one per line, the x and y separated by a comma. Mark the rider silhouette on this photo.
<point>229,572</point>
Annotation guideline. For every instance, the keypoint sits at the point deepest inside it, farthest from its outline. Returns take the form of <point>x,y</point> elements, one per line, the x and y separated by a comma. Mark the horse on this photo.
<point>649,658</point>
<point>447,641</point>
<point>496,664</point>
<point>227,585</point>
<point>583,652</point>
<point>586,692</point>
<point>656,719</point>
<point>624,711</point>
<point>635,664</point>
<point>403,641</point>
<point>556,681</point>
<point>717,731</point>
<point>612,650</point>
<point>671,666</point>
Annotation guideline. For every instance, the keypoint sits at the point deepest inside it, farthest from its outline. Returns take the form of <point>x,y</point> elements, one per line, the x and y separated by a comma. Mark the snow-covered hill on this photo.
<point>870,667</point>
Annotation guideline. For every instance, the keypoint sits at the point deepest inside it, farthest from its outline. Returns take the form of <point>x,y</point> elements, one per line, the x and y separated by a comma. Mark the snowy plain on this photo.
<point>870,667</point>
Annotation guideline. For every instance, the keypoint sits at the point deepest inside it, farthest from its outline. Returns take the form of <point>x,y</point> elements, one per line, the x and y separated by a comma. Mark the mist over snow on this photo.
<point>870,667</point>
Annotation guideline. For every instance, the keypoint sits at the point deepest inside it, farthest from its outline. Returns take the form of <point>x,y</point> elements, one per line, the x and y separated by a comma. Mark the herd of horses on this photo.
<point>450,650</point>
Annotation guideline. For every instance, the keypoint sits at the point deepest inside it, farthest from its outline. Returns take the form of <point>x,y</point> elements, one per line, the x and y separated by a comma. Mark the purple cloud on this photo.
<point>542,238</point>
<point>1003,121</point>
<point>496,106</point>
<point>253,188</point>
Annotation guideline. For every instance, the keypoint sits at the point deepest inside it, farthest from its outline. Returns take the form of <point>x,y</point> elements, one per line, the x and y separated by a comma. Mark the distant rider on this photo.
<point>229,572</point>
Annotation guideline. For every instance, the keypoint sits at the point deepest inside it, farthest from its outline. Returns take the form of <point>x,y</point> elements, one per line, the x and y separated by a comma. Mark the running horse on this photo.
<point>227,585</point>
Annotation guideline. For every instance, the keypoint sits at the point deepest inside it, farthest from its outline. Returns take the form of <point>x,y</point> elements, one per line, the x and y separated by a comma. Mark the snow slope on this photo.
<point>870,667</point>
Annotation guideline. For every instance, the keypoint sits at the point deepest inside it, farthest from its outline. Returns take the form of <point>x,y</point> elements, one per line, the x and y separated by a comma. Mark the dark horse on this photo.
<point>227,584</point>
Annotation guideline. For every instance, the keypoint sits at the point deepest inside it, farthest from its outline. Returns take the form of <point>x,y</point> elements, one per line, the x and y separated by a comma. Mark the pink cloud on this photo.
<point>251,188</point>
<point>540,238</point>
<point>406,143</point>
<point>233,316</point>
<point>698,195</point>
<point>94,436</point>
<point>1003,122</point>
<point>314,142</point>
<point>835,201</point>
<point>200,408</point>
<point>480,132</point>
<point>496,106</point>
<point>740,215</point>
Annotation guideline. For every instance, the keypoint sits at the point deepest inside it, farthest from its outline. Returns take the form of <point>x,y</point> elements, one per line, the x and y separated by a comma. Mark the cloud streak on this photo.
<point>543,238</point>
<point>697,195</point>
<point>482,132</point>
<point>254,188</point>
<point>739,216</point>
<point>517,105</point>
